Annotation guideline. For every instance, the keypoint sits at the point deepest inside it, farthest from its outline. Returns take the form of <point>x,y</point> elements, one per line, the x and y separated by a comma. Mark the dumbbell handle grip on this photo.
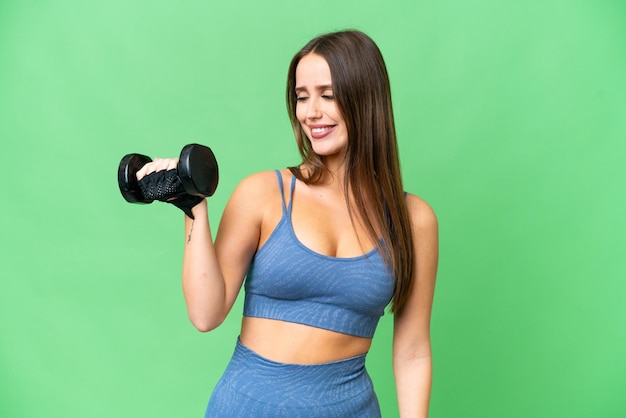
<point>197,170</point>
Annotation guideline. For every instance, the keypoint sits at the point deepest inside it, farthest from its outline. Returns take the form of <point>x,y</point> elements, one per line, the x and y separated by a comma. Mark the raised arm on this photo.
<point>214,272</point>
<point>412,358</point>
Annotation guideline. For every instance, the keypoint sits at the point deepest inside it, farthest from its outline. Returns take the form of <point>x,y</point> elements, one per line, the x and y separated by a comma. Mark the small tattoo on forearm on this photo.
<point>190,231</point>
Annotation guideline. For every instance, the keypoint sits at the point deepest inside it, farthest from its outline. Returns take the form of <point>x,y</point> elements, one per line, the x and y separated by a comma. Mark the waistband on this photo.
<point>334,380</point>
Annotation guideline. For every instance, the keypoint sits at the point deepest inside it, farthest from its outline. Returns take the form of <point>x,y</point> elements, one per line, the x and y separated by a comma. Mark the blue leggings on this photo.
<point>253,386</point>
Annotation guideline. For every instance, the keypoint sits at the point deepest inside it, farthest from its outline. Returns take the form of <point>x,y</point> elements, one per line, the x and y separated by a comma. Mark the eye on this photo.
<point>301,98</point>
<point>327,94</point>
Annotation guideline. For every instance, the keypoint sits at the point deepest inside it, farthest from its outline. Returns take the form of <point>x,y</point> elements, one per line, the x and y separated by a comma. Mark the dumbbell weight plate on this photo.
<point>198,170</point>
<point>127,177</point>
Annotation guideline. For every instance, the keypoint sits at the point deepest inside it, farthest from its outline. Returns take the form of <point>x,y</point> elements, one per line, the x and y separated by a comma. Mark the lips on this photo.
<point>320,131</point>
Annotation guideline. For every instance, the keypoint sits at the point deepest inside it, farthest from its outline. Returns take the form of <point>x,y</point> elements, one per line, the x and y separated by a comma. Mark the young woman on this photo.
<point>323,247</point>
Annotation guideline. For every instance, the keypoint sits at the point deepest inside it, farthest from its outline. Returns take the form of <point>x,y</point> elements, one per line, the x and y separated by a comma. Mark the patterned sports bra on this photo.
<point>288,281</point>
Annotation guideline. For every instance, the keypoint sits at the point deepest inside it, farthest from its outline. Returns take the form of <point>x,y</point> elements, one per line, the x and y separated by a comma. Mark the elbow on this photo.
<point>203,327</point>
<point>204,324</point>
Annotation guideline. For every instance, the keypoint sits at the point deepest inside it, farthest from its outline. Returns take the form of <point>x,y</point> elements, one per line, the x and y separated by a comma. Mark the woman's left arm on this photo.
<point>412,358</point>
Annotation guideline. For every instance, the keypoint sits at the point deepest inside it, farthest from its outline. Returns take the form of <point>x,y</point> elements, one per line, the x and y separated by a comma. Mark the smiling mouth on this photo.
<point>321,131</point>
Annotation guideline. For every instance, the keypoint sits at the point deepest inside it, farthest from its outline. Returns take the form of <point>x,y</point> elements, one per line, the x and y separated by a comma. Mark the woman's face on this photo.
<point>316,108</point>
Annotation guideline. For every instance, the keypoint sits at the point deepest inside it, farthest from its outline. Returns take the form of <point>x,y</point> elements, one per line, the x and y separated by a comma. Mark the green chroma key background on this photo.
<point>511,119</point>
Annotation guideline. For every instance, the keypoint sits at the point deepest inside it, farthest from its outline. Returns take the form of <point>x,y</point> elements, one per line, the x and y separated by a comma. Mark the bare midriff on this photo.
<point>288,342</point>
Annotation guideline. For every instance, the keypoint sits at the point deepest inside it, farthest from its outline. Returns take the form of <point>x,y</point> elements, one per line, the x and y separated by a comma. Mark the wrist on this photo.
<point>201,209</point>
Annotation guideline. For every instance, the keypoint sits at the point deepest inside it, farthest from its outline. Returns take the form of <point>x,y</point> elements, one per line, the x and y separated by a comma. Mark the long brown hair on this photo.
<point>362,92</point>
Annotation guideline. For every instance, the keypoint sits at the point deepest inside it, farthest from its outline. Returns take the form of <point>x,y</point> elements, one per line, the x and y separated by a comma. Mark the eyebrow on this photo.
<point>319,88</point>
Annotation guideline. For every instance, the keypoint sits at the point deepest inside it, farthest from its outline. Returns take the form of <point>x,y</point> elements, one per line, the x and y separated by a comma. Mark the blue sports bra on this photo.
<point>288,281</point>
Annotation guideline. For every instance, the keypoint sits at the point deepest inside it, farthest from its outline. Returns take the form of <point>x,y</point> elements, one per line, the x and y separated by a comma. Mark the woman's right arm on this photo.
<point>214,272</point>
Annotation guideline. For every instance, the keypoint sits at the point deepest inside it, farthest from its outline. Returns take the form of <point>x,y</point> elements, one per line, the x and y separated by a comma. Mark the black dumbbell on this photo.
<point>197,170</point>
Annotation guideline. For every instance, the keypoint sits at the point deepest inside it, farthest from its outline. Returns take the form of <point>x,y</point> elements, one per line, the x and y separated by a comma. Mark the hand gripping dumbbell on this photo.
<point>195,178</point>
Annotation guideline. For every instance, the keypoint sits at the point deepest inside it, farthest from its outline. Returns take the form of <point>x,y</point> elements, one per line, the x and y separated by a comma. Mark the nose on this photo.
<point>313,110</point>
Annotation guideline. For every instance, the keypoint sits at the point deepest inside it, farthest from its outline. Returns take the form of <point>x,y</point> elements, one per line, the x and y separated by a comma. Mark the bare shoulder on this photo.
<point>255,192</point>
<point>422,214</point>
<point>258,183</point>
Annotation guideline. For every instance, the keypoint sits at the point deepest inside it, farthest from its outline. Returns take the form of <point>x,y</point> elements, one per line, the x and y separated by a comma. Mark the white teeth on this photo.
<point>320,130</point>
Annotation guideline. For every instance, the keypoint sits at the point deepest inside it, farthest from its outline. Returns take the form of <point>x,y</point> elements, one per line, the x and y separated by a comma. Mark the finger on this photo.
<point>155,165</point>
<point>161,164</point>
<point>148,169</point>
<point>172,164</point>
<point>142,171</point>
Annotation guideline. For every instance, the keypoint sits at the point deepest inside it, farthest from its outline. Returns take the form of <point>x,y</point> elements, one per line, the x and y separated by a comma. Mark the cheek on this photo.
<point>335,114</point>
<point>301,117</point>
<point>300,113</point>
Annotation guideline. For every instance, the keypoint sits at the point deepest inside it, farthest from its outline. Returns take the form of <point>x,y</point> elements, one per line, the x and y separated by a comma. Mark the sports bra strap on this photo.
<point>282,191</point>
<point>293,186</point>
<point>286,209</point>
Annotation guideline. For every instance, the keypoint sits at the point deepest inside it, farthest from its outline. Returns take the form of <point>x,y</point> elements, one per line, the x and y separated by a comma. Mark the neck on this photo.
<point>334,172</point>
